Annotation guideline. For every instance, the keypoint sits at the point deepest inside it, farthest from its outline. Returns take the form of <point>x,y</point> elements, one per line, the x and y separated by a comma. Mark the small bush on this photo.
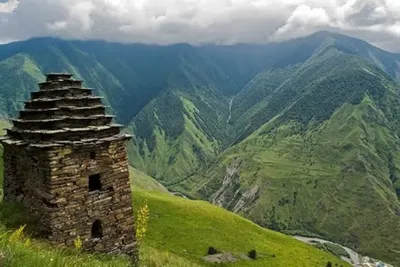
<point>336,250</point>
<point>329,264</point>
<point>252,254</point>
<point>212,251</point>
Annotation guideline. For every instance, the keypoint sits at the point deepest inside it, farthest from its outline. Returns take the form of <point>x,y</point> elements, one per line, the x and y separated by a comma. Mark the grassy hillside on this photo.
<point>338,178</point>
<point>142,181</point>
<point>257,90</point>
<point>179,132</point>
<point>18,77</point>
<point>187,228</point>
<point>200,225</point>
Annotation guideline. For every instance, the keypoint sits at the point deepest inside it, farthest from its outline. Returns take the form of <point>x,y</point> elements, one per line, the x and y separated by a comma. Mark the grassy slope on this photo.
<point>187,228</point>
<point>200,225</point>
<point>178,132</point>
<point>326,162</point>
<point>18,77</point>
<point>20,73</point>
<point>333,181</point>
<point>141,180</point>
<point>251,98</point>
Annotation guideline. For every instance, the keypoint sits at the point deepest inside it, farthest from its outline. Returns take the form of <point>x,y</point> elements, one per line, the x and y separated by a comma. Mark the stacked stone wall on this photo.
<point>78,208</point>
<point>26,177</point>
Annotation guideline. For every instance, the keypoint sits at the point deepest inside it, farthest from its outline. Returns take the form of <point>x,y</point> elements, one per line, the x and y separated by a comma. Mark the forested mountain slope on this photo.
<point>178,132</point>
<point>320,154</point>
<point>295,135</point>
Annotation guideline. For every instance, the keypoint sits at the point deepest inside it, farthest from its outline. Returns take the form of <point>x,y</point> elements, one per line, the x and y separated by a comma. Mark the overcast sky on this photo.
<point>200,21</point>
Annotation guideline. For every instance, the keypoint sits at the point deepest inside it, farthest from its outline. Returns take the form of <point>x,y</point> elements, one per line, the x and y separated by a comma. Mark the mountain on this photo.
<point>178,131</point>
<point>316,151</point>
<point>300,135</point>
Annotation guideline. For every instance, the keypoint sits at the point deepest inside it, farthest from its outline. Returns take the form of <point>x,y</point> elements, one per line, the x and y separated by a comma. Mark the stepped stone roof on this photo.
<point>63,113</point>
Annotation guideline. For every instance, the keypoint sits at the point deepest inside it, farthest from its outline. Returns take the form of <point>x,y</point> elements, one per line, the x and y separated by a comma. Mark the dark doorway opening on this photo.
<point>97,229</point>
<point>94,182</point>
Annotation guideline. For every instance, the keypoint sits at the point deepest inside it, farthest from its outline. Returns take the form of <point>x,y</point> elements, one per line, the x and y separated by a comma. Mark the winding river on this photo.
<point>354,257</point>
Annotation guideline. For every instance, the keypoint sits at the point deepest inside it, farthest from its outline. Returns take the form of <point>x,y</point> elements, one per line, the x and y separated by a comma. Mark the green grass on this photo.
<point>201,225</point>
<point>18,76</point>
<point>336,250</point>
<point>187,228</point>
<point>179,234</point>
<point>177,133</point>
<point>142,181</point>
<point>332,180</point>
<point>36,253</point>
<point>3,125</point>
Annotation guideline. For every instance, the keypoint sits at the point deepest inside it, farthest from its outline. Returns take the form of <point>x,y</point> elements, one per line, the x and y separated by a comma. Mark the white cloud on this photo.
<point>304,20</point>
<point>8,6</point>
<point>57,25</point>
<point>200,21</point>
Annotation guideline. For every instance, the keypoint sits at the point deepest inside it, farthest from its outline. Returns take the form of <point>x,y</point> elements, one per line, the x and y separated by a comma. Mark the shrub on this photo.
<point>329,264</point>
<point>212,251</point>
<point>336,250</point>
<point>252,254</point>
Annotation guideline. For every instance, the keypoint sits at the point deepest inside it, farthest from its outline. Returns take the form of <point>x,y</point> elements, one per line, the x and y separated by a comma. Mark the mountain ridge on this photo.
<point>251,128</point>
<point>241,177</point>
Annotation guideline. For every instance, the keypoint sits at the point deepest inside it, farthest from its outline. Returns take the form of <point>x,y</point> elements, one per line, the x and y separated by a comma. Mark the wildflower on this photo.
<point>17,235</point>
<point>142,218</point>
<point>78,243</point>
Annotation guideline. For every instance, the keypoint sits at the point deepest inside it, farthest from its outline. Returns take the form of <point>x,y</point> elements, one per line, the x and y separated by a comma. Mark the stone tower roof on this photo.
<point>63,113</point>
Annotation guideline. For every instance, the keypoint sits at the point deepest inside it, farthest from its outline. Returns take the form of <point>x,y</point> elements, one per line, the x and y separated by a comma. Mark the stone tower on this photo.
<point>66,162</point>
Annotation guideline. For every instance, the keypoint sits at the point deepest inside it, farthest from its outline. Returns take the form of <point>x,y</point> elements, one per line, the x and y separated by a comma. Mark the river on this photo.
<point>354,256</point>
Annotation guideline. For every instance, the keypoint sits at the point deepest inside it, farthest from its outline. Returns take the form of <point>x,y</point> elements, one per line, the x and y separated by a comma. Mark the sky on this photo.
<point>200,21</point>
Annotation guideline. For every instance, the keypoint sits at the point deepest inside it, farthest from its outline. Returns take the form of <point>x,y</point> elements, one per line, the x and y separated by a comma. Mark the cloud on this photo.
<point>200,21</point>
<point>304,20</point>
<point>8,6</point>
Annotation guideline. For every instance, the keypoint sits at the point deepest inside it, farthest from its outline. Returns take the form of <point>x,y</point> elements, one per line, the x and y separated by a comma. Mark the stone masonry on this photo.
<point>66,162</point>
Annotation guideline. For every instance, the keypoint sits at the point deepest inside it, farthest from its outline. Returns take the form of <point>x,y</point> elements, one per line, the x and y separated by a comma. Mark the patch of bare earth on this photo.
<point>224,258</point>
<point>220,258</point>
